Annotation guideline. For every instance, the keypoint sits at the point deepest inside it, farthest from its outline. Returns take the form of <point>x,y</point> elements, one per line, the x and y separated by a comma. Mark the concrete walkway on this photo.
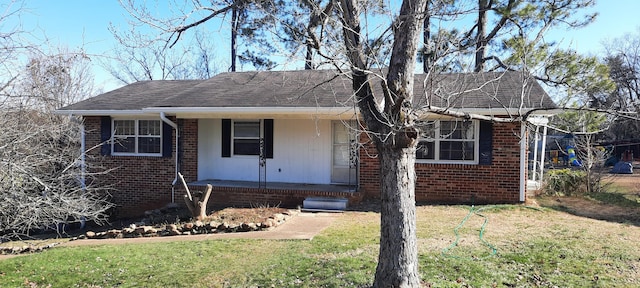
<point>303,226</point>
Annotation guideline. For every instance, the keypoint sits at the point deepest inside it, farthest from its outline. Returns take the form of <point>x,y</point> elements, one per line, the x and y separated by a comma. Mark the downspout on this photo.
<point>523,161</point>
<point>175,179</point>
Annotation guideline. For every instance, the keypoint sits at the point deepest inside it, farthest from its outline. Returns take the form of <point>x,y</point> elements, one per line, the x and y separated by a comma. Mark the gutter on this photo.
<point>175,179</point>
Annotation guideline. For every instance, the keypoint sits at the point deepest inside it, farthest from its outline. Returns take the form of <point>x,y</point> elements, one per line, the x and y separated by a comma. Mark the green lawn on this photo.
<point>535,248</point>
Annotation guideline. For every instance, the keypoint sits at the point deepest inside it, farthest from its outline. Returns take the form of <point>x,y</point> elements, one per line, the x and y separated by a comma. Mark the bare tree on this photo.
<point>623,61</point>
<point>43,178</point>
<point>587,127</point>
<point>137,58</point>
<point>58,80</point>
<point>395,137</point>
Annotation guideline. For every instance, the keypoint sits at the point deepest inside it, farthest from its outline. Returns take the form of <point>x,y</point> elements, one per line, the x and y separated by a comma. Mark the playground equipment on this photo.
<point>573,160</point>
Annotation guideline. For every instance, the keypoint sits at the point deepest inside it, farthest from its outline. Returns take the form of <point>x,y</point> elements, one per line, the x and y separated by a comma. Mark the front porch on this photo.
<point>289,195</point>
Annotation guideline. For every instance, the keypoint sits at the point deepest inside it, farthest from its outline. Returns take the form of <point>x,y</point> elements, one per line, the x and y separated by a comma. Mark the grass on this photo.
<point>621,194</point>
<point>535,248</point>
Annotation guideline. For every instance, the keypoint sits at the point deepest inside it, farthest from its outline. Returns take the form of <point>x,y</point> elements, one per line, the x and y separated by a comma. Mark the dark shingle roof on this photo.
<point>318,88</point>
<point>134,96</point>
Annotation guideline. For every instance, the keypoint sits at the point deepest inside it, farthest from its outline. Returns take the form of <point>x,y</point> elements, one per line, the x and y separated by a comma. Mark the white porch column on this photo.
<point>523,160</point>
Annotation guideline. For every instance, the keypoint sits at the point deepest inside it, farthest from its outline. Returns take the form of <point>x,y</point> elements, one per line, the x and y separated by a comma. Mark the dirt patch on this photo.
<point>244,215</point>
<point>592,209</point>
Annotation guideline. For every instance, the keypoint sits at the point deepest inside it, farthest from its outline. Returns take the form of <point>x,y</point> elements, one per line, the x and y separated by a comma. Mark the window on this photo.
<point>246,137</point>
<point>243,137</point>
<point>139,137</point>
<point>449,141</point>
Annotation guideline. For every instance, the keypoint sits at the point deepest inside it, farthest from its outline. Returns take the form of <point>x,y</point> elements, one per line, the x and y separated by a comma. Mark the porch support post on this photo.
<point>535,153</point>
<point>544,151</point>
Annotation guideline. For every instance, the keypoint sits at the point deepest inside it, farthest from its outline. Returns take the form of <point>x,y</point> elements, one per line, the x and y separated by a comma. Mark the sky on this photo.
<point>84,24</point>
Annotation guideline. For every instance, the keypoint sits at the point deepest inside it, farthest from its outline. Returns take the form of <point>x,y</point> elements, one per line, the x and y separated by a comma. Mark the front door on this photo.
<point>344,153</point>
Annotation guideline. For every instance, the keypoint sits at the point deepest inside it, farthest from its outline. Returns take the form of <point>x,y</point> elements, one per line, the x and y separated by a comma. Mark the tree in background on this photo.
<point>248,24</point>
<point>623,60</point>
<point>586,127</point>
<point>138,58</point>
<point>43,180</point>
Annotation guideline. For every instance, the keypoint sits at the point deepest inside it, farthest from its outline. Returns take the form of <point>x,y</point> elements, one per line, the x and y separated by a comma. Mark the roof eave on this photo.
<point>197,112</point>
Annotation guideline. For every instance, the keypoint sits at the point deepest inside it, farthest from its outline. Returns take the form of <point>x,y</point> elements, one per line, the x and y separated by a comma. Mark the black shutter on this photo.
<point>268,138</point>
<point>166,140</point>
<point>105,135</point>
<point>486,143</point>
<point>226,137</point>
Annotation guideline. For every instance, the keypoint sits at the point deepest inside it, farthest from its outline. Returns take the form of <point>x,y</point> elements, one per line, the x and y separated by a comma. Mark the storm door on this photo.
<point>345,153</point>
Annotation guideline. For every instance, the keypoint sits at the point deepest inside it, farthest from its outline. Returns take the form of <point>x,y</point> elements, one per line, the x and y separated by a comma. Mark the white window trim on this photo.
<point>476,146</point>
<point>136,124</point>
<point>233,136</point>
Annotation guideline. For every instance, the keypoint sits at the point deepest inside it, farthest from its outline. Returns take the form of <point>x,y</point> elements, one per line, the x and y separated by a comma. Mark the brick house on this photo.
<point>277,137</point>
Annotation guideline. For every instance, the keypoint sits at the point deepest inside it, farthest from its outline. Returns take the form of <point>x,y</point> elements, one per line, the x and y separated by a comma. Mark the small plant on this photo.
<point>265,205</point>
<point>565,182</point>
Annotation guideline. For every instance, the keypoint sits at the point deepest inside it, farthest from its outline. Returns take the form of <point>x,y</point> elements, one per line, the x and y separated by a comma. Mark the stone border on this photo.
<point>188,228</point>
<point>16,250</point>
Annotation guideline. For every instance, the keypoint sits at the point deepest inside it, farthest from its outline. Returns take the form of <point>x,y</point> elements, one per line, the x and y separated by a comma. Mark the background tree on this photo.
<point>138,58</point>
<point>246,22</point>
<point>586,128</point>
<point>623,60</point>
<point>42,181</point>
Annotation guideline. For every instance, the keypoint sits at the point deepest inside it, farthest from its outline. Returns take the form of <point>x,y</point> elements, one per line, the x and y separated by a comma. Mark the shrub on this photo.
<point>565,182</point>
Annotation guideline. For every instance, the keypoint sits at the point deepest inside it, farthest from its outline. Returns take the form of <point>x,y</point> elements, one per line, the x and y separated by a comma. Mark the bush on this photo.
<point>565,182</point>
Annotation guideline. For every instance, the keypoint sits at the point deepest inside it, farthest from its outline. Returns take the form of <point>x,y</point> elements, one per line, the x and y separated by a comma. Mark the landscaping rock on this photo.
<point>187,226</point>
<point>279,217</point>
<point>114,233</point>
<point>139,229</point>
<point>213,225</point>
<point>224,226</point>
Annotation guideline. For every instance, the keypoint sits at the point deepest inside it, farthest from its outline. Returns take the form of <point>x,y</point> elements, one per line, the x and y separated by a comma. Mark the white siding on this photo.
<point>301,153</point>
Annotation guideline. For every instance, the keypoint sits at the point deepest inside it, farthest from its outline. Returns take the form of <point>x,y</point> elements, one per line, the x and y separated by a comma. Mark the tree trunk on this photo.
<point>395,137</point>
<point>481,40</point>
<point>427,53</point>
<point>398,258</point>
<point>308,62</point>
<point>234,37</point>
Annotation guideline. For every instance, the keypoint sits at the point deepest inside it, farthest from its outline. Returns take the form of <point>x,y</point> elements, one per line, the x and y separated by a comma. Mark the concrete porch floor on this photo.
<point>277,185</point>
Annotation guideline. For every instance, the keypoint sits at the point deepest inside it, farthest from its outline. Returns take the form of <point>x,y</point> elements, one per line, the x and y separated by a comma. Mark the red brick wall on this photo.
<point>254,197</point>
<point>459,183</point>
<point>142,183</point>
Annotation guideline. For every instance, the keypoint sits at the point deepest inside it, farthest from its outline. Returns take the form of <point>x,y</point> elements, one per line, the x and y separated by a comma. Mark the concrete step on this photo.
<point>324,204</point>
